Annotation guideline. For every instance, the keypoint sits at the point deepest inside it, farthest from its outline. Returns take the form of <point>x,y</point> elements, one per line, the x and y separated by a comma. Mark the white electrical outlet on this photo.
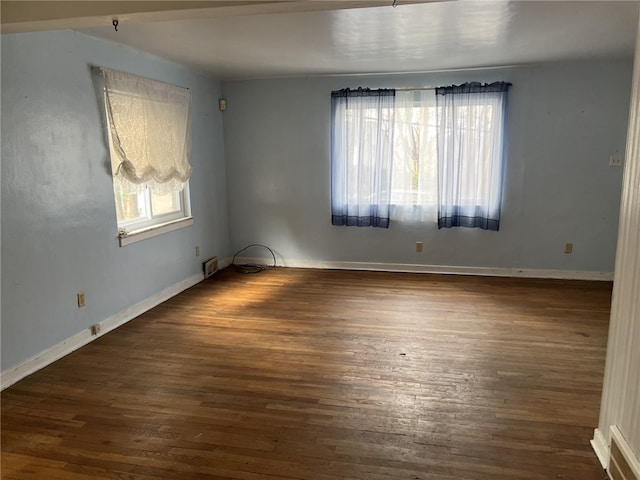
<point>615,160</point>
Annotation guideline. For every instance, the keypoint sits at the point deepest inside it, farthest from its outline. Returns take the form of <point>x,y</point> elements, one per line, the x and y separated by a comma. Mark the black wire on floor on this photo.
<point>252,267</point>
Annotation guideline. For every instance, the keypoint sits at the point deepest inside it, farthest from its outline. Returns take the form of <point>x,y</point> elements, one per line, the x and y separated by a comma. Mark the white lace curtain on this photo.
<point>150,132</point>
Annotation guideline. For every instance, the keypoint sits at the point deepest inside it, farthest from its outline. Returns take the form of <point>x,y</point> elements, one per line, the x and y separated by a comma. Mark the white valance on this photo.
<point>149,126</point>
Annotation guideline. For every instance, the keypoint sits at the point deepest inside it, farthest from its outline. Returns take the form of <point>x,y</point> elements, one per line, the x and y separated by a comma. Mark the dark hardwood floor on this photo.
<point>326,375</point>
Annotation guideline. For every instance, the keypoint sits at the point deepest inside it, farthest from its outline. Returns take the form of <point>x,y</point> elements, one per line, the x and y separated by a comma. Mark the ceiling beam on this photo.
<point>29,16</point>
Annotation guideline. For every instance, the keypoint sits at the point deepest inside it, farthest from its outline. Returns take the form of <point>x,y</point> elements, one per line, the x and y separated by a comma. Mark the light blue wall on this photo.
<point>58,213</point>
<point>565,120</point>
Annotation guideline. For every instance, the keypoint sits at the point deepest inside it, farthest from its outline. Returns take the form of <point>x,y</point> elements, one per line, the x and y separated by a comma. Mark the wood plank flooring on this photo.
<point>326,375</point>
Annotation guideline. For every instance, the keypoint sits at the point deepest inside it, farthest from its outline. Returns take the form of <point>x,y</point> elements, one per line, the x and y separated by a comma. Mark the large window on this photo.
<point>418,155</point>
<point>149,141</point>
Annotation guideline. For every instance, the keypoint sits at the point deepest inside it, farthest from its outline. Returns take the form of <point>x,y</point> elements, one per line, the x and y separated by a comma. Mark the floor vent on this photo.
<point>210,267</point>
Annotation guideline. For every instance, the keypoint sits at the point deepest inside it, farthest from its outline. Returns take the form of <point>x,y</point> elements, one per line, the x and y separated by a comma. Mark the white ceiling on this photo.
<point>410,38</point>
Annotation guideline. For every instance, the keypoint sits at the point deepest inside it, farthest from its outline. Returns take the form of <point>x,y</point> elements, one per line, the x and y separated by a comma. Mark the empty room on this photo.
<point>320,240</point>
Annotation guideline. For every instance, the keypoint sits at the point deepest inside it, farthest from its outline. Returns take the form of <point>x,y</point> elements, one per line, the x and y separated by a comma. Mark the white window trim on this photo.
<point>154,230</point>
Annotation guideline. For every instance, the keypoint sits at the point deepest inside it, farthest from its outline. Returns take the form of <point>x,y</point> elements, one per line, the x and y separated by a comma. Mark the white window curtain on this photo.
<point>361,157</point>
<point>471,121</point>
<point>414,184</point>
<point>149,123</point>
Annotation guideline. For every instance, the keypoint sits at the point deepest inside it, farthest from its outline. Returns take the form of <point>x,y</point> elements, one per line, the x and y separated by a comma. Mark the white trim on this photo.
<point>601,447</point>
<point>621,386</point>
<point>149,232</point>
<point>50,355</point>
<point>223,263</point>
<point>442,269</point>
<point>626,451</point>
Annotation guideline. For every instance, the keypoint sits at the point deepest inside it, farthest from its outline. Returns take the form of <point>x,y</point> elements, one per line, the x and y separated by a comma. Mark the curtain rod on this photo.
<point>413,89</point>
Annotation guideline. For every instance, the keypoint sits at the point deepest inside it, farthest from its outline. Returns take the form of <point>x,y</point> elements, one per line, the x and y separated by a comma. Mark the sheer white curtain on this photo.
<point>419,155</point>
<point>149,127</point>
<point>361,157</point>
<point>471,120</point>
<point>414,185</point>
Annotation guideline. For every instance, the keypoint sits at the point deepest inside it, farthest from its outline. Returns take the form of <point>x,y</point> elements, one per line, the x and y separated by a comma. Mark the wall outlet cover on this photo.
<point>615,160</point>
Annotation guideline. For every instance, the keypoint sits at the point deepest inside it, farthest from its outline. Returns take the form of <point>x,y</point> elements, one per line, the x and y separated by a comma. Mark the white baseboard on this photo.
<point>46,357</point>
<point>631,460</point>
<point>50,355</point>
<point>223,263</point>
<point>601,446</point>
<point>442,269</point>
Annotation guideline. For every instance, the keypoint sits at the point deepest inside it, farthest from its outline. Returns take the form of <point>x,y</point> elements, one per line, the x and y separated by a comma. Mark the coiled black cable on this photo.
<point>252,267</point>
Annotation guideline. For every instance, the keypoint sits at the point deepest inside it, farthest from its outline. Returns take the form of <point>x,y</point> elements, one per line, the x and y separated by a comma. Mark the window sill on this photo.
<point>153,231</point>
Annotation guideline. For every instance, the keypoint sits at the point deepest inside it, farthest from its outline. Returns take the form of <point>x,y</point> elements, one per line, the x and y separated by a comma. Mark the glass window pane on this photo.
<point>129,206</point>
<point>162,204</point>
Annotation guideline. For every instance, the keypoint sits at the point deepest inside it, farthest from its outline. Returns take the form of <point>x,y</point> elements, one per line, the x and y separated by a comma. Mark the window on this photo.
<point>442,159</point>
<point>362,151</point>
<point>149,142</point>
<point>140,209</point>
<point>471,125</point>
<point>414,193</point>
<point>136,208</point>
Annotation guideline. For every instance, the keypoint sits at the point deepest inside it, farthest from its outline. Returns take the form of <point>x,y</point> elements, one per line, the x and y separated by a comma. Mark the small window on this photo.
<point>149,142</point>
<point>142,210</point>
